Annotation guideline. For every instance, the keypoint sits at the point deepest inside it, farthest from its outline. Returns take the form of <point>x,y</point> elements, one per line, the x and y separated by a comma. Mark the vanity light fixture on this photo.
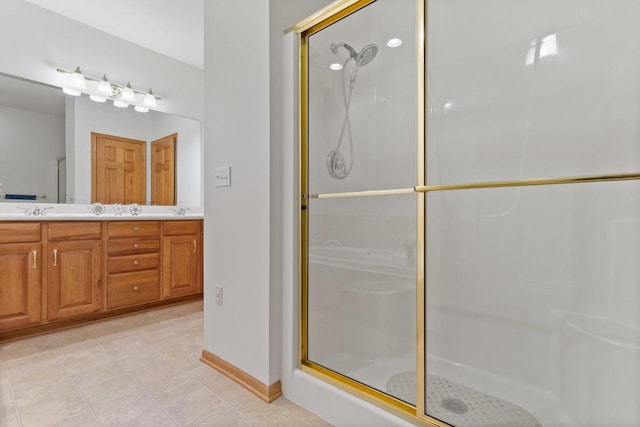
<point>149,100</point>
<point>77,83</point>
<point>101,90</point>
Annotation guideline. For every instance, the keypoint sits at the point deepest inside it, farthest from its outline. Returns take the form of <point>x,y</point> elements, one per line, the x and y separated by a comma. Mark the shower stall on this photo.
<point>470,208</point>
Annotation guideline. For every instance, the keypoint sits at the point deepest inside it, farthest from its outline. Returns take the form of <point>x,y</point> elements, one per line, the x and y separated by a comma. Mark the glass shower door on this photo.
<point>360,133</point>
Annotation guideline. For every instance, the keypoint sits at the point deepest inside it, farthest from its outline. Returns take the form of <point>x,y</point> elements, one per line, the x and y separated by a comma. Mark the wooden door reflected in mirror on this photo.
<point>118,169</point>
<point>163,170</point>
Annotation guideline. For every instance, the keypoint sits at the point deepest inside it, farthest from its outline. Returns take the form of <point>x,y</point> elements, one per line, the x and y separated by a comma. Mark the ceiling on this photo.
<point>170,27</point>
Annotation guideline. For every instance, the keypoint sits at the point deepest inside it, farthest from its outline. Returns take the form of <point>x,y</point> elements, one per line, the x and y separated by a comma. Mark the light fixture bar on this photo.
<point>63,71</point>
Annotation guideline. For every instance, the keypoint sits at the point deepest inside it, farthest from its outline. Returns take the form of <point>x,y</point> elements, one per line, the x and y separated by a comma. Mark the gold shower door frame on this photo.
<point>304,29</point>
<point>313,24</point>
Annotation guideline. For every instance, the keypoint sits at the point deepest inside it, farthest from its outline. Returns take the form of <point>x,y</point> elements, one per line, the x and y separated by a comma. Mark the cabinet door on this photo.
<point>74,278</point>
<point>181,265</point>
<point>20,279</point>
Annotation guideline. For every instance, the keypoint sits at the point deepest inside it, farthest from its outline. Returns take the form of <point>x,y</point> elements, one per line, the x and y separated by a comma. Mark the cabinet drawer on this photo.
<point>133,288</point>
<point>177,228</point>
<point>121,264</point>
<point>133,228</point>
<point>74,230</point>
<point>132,246</point>
<point>18,232</point>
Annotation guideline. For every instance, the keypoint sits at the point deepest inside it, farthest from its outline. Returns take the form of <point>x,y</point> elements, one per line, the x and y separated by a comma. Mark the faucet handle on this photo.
<point>43,211</point>
<point>179,211</point>
<point>27,211</point>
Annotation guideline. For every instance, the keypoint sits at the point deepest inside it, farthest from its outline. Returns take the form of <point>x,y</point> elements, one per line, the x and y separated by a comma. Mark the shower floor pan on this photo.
<point>460,406</point>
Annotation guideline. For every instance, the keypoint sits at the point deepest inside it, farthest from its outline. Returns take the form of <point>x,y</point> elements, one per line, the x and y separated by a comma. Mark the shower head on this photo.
<point>361,58</point>
<point>366,54</point>
<point>352,51</point>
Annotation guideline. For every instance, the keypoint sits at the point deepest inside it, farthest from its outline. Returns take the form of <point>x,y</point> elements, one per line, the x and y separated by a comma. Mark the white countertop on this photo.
<point>65,212</point>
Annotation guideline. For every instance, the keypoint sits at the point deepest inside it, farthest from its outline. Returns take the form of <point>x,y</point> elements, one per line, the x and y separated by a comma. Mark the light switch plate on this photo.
<point>223,176</point>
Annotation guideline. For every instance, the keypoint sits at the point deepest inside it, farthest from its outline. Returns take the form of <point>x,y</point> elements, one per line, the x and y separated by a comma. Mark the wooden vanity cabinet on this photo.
<point>58,273</point>
<point>20,275</point>
<point>182,258</point>
<point>74,266</point>
<point>133,263</point>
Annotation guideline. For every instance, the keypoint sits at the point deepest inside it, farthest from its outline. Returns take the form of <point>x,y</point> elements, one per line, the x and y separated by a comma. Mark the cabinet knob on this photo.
<point>136,262</point>
<point>136,288</point>
<point>136,228</point>
<point>135,246</point>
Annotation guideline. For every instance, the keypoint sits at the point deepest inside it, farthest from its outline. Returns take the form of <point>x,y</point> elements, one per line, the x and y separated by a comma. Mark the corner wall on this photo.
<point>237,218</point>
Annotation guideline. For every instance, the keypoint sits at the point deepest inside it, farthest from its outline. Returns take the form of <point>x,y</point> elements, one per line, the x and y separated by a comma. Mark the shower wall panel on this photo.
<point>532,89</point>
<point>532,292</point>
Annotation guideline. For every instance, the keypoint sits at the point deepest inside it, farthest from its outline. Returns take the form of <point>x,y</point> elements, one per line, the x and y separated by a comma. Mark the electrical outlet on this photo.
<point>219,295</point>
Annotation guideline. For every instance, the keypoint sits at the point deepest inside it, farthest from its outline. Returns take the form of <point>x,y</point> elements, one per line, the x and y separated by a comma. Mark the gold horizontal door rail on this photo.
<point>488,184</point>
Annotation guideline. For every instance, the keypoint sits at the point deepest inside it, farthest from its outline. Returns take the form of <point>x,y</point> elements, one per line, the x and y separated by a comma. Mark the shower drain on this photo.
<point>460,405</point>
<point>454,405</point>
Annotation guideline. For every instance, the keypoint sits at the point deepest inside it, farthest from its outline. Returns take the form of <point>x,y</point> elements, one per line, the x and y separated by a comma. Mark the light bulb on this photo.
<point>394,42</point>
<point>150,100</point>
<point>71,92</point>
<point>335,66</point>
<point>127,95</point>
<point>77,81</point>
<point>104,87</point>
<point>97,98</point>
<point>120,104</point>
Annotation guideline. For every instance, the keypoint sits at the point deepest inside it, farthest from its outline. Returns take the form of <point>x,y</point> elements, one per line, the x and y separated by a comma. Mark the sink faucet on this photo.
<point>35,211</point>
<point>179,211</point>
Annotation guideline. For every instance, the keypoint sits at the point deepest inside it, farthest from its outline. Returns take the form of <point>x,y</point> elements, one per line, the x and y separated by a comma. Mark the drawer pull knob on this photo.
<point>35,258</point>
<point>136,228</point>
<point>135,246</point>
<point>136,288</point>
<point>136,262</point>
<point>55,257</point>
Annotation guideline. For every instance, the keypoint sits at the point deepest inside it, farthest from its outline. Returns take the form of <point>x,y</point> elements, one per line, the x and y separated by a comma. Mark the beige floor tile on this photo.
<point>44,391</point>
<point>6,395</point>
<point>83,360</point>
<point>8,418</point>
<point>26,377</point>
<point>67,337</point>
<point>54,410</point>
<point>156,419</point>
<point>225,417</point>
<point>84,419</point>
<point>110,390</point>
<point>172,388</point>
<point>99,374</point>
<point>127,409</point>
<point>196,406</point>
<point>25,347</point>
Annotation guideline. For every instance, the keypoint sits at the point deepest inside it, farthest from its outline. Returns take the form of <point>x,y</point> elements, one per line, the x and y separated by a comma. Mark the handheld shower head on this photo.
<point>366,54</point>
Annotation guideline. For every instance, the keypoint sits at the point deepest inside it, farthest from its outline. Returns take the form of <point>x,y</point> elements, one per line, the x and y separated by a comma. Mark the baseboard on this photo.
<point>263,391</point>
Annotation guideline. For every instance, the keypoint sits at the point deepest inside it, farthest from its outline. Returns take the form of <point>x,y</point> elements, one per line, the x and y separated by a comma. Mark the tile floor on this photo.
<point>140,370</point>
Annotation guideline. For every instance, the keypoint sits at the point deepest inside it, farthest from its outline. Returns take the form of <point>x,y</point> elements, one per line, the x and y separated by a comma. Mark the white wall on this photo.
<point>35,42</point>
<point>237,220</point>
<point>28,153</point>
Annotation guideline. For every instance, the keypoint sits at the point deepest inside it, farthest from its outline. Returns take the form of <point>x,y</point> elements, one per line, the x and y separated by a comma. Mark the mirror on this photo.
<point>45,144</point>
